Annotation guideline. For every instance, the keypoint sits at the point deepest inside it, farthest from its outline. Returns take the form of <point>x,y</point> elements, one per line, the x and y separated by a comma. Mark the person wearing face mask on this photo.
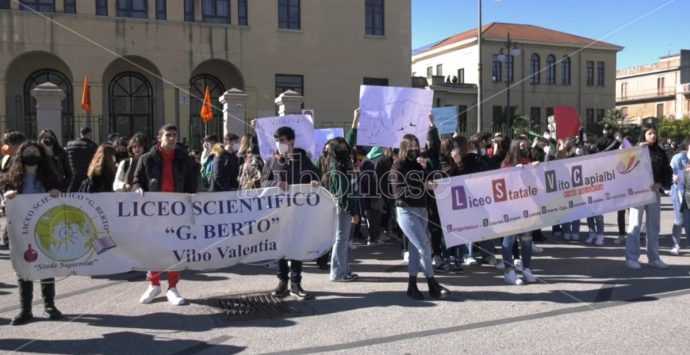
<point>338,179</point>
<point>32,173</point>
<point>409,186</point>
<point>226,165</point>
<point>286,167</point>
<point>570,230</point>
<point>124,177</point>
<point>165,168</point>
<point>57,157</point>
<point>662,175</point>
<point>607,141</point>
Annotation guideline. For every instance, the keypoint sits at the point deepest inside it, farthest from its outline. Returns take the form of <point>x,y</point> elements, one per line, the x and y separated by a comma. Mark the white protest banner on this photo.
<point>504,202</point>
<point>388,113</point>
<point>109,233</point>
<point>323,135</point>
<point>446,119</point>
<point>266,127</point>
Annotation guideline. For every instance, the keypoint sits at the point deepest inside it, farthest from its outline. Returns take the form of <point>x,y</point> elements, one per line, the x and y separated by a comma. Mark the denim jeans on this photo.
<point>295,270</point>
<point>681,219</point>
<point>340,265</point>
<point>632,244</point>
<point>596,224</point>
<point>571,228</point>
<point>525,248</point>
<point>413,222</point>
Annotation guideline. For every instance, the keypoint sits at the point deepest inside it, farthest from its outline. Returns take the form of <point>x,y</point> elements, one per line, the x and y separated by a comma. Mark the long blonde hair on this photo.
<point>103,160</point>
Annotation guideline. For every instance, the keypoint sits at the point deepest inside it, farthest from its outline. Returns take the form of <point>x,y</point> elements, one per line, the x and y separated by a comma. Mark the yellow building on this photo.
<point>657,90</point>
<point>148,61</point>
<point>544,68</point>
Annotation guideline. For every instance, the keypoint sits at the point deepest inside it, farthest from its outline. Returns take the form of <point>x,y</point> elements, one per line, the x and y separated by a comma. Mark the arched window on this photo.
<point>29,126</point>
<point>131,105</point>
<point>536,68</point>
<point>565,70</point>
<point>197,128</point>
<point>551,69</point>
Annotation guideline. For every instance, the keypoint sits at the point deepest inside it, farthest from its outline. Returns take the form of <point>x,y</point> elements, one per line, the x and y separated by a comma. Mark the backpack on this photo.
<point>207,171</point>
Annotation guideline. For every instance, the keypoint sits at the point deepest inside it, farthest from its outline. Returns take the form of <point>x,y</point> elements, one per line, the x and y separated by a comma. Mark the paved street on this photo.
<point>586,301</point>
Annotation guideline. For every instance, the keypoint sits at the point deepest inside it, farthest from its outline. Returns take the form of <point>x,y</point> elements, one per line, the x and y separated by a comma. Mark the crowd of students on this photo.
<point>376,187</point>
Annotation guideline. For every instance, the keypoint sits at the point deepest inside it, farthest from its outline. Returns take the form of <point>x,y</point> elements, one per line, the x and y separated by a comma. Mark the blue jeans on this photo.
<point>632,244</point>
<point>681,219</point>
<point>413,222</point>
<point>596,224</point>
<point>340,265</point>
<point>572,227</point>
<point>525,249</point>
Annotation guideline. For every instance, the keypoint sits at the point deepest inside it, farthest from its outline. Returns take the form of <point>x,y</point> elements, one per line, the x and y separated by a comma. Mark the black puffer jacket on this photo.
<point>149,172</point>
<point>661,167</point>
<point>80,152</point>
<point>226,167</point>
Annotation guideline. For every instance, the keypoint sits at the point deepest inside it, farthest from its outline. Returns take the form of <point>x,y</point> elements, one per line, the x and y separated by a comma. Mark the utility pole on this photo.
<point>479,68</point>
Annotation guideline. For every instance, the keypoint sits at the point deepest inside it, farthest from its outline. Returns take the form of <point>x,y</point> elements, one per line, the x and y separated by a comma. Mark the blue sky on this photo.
<point>647,29</point>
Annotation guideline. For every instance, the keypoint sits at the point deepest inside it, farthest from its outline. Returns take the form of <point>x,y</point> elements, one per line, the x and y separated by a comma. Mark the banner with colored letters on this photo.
<point>510,201</point>
<point>109,233</point>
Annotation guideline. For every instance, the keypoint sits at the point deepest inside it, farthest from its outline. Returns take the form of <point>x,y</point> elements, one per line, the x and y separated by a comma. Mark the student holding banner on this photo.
<point>661,171</point>
<point>409,185</point>
<point>32,173</point>
<point>518,155</point>
<point>165,168</point>
<point>289,166</point>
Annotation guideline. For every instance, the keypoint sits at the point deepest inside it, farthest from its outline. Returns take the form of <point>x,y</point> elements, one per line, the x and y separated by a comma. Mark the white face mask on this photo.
<point>482,151</point>
<point>235,147</point>
<point>547,149</point>
<point>578,151</point>
<point>547,136</point>
<point>207,145</point>
<point>282,147</point>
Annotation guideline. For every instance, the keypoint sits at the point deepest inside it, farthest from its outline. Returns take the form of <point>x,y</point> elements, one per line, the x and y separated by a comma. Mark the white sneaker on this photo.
<point>151,293</point>
<point>436,261</point>
<point>591,238</point>
<point>468,261</point>
<point>658,264</point>
<point>174,297</point>
<point>536,248</point>
<point>675,250</point>
<point>620,240</point>
<point>352,245</point>
<point>406,256</point>
<point>518,264</point>
<point>633,265</point>
<point>512,278</point>
<point>499,265</point>
<point>528,276</point>
<point>600,240</point>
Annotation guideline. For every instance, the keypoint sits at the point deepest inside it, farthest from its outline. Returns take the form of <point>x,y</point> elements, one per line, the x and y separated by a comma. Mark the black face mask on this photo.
<point>31,160</point>
<point>48,142</point>
<point>412,155</point>
<point>342,155</point>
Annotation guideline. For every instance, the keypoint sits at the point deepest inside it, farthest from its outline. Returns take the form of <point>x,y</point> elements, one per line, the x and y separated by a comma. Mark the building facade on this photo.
<point>656,90</point>
<point>542,68</point>
<point>148,62</point>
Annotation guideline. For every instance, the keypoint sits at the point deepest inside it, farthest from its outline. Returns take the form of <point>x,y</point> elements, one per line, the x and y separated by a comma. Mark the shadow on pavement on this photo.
<point>117,343</point>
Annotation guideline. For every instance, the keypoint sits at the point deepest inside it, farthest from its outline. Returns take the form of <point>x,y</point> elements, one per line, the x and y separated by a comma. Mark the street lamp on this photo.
<point>512,51</point>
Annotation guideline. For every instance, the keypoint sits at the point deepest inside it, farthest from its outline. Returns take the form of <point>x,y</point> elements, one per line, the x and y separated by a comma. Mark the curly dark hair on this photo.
<point>45,173</point>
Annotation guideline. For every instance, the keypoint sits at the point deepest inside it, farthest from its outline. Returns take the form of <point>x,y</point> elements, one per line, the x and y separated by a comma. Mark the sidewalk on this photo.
<point>586,301</point>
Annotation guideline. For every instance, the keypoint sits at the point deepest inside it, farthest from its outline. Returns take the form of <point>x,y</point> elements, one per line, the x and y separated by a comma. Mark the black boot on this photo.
<point>48,291</point>
<point>436,290</point>
<point>26,295</point>
<point>412,289</point>
<point>282,290</point>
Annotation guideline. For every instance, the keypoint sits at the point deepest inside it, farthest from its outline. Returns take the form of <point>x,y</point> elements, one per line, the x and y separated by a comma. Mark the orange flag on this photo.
<point>86,96</point>
<point>206,111</point>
